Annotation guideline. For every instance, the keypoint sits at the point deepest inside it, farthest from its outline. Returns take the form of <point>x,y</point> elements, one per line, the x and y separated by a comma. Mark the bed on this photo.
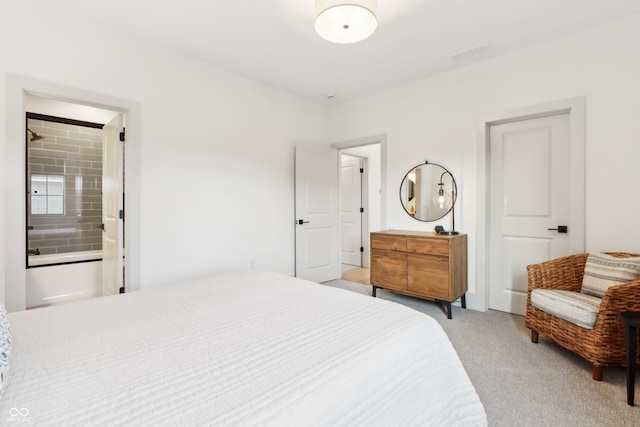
<point>250,348</point>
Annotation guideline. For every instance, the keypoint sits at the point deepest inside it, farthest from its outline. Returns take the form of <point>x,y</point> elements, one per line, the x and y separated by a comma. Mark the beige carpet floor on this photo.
<point>521,383</point>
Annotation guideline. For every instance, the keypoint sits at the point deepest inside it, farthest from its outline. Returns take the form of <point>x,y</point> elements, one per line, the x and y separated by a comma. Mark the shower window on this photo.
<point>47,195</point>
<point>64,190</point>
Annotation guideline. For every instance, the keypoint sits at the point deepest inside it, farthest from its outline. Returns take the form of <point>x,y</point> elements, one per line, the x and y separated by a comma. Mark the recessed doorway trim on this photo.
<point>575,107</point>
<point>370,140</point>
<point>13,287</point>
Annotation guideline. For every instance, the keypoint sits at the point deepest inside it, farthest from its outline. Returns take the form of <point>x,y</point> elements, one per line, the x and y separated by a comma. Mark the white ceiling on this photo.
<point>274,42</point>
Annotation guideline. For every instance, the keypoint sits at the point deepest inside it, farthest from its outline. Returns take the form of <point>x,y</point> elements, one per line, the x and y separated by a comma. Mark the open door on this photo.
<point>112,148</point>
<point>351,210</point>
<point>316,212</point>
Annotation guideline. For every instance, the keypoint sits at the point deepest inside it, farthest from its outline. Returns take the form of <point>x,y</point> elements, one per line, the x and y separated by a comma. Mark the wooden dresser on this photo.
<point>421,264</point>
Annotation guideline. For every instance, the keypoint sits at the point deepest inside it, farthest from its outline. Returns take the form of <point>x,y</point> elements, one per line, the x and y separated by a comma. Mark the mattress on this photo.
<point>251,348</point>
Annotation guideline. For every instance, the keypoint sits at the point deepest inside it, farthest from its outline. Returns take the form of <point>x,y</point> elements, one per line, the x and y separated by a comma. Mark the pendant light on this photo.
<point>443,201</point>
<point>346,21</point>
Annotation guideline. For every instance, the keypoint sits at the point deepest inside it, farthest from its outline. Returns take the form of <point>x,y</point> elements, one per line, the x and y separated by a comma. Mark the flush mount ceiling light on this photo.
<point>346,21</point>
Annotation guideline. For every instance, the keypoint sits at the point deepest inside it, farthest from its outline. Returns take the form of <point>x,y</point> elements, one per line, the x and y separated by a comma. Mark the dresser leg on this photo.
<point>463,300</point>
<point>373,293</point>
<point>447,307</point>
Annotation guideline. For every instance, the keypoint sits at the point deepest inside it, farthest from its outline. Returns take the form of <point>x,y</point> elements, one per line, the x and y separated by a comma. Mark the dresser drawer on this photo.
<point>389,243</point>
<point>429,247</point>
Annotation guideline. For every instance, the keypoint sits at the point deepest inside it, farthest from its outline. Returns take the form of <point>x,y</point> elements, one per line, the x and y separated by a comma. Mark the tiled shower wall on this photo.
<point>76,153</point>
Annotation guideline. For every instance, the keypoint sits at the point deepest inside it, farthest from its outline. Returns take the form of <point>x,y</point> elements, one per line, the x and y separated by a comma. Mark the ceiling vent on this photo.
<point>474,52</point>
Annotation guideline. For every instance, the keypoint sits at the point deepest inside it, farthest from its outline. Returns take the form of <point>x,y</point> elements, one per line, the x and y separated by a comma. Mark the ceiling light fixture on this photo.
<point>346,21</point>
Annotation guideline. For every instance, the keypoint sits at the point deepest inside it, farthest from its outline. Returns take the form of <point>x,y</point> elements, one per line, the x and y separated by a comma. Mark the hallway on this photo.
<point>355,274</point>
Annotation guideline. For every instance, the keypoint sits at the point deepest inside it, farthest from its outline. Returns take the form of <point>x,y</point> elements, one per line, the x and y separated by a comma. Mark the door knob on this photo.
<point>560,229</point>
<point>300,222</point>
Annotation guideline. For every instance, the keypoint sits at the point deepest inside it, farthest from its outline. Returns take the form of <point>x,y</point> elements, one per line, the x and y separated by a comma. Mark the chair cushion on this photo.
<point>575,307</point>
<point>603,270</point>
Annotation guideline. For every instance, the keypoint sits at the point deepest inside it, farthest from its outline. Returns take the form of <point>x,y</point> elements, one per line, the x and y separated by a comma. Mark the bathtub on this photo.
<point>76,275</point>
<point>46,260</point>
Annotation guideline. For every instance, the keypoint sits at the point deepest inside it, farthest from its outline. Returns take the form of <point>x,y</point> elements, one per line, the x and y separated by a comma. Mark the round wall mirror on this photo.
<point>428,192</point>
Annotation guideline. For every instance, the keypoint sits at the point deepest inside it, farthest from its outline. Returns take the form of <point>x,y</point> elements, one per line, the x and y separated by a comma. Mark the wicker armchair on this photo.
<point>604,344</point>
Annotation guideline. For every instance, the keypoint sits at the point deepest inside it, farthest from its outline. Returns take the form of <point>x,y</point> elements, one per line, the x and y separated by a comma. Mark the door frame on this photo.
<point>576,108</point>
<point>364,202</point>
<point>361,142</point>
<point>13,287</point>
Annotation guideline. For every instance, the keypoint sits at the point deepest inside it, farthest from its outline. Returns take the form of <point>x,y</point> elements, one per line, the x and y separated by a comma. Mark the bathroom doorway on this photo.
<point>74,184</point>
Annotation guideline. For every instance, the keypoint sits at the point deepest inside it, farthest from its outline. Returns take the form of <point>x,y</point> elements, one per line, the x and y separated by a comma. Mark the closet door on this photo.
<point>530,205</point>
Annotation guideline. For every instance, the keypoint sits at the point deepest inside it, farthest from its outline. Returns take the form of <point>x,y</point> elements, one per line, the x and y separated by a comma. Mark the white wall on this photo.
<point>437,119</point>
<point>215,163</point>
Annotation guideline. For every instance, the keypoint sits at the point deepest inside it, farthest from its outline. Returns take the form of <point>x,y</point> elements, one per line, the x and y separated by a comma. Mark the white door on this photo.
<point>530,184</point>
<point>316,215</point>
<point>112,149</point>
<point>350,210</point>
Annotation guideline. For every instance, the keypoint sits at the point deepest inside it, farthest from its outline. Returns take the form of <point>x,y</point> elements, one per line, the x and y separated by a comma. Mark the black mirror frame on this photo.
<point>455,191</point>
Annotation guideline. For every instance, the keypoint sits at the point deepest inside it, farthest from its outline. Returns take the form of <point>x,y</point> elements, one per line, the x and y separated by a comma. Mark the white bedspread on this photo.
<point>251,348</point>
